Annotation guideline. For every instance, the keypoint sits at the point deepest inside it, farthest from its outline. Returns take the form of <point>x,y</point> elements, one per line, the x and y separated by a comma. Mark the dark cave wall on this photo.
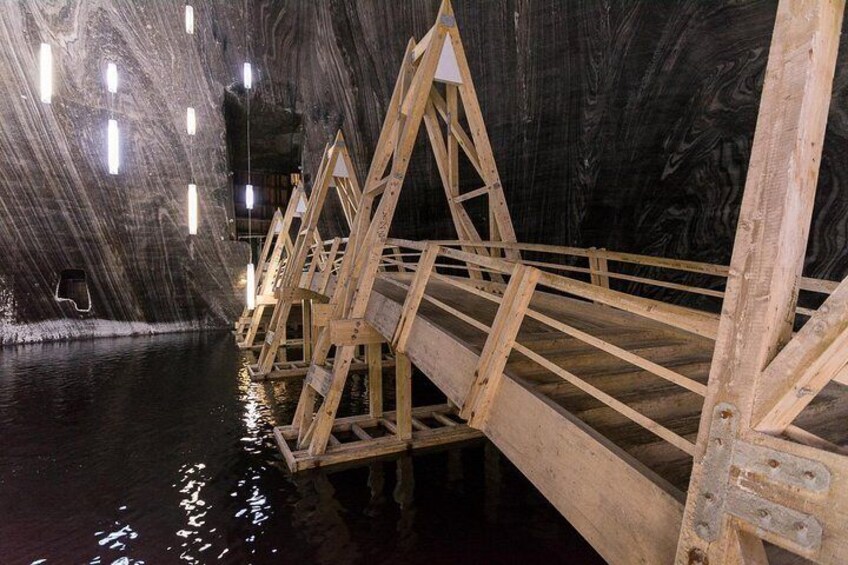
<point>617,124</point>
<point>59,207</point>
<point>624,125</point>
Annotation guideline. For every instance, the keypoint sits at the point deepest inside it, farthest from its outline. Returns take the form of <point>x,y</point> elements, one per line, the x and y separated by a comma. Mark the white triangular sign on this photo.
<point>340,170</point>
<point>448,69</point>
<point>300,210</point>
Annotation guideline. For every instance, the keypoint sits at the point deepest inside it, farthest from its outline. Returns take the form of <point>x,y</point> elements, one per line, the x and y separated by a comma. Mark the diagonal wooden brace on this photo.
<point>499,344</point>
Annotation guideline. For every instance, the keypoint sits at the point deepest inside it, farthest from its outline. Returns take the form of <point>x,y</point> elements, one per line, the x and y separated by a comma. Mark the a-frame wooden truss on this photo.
<point>276,250</point>
<point>335,171</point>
<point>436,62</point>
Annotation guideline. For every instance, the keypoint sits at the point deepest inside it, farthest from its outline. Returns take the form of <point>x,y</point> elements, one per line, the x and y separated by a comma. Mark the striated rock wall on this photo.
<point>618,124</point>
<point>59,207</point>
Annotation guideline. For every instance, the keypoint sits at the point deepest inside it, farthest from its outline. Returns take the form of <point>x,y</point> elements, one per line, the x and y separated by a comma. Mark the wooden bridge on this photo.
<point>662,432</point>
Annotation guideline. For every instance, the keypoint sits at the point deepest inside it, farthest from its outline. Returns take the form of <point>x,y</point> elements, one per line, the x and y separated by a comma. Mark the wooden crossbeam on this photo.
<point>353,332</point>
<point>812,359</point>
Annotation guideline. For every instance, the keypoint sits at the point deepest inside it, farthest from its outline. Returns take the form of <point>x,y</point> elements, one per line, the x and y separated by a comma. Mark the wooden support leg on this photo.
<point>306,307</point>
<point>374,353</point>
<point>326,415</point>
<point>403,396</point>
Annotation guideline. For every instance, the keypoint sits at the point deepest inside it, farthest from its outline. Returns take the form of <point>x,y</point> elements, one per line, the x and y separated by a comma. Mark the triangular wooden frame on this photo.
<point>272,252</point>
<point>269,267</point>
<point>330,174</point>
<point>416,99</point>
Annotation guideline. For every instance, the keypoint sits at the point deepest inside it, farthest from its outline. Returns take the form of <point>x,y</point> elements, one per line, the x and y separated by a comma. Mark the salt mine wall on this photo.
<point>624,125</point>
<point>60,209</point>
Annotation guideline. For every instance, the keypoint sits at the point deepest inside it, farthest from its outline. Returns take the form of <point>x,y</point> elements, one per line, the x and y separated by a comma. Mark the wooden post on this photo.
<point>768,257</point>
<point>403,396</point>
<point>499,344</point>
<point>306,321</point>
<point>374,355</point>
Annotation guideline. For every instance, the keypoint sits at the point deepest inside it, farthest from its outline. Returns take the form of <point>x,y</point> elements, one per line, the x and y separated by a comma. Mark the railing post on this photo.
<point>414,296</point>
<point>598,267</point>
<point>499,344</point>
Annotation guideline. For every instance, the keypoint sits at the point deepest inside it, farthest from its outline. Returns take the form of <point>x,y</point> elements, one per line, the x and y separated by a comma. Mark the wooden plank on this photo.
<point>442,419</point>
<point>472,194</point>
<point>359,432</point>
<point>321,314</point>
<point>771,241</point>
<point>319,379</point>
<point>813,357</point>
<point>353,332</point>
<point>623,509</point>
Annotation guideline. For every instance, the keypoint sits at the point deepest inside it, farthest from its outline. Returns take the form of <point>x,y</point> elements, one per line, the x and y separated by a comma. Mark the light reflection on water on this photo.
<point>159,450</point>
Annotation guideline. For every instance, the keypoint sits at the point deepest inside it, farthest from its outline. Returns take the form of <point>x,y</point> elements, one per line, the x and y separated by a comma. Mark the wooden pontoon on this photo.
<point>661,432</point>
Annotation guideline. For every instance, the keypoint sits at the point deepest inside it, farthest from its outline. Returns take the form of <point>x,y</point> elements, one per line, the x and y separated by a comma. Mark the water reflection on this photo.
<point>158,450</point>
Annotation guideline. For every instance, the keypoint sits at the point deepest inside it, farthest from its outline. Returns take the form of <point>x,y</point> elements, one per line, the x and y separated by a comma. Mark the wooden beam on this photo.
<point>813,357</point>
<point>413,297</point>
<point>499,344</point>
<point>353,332</point>
<point>374,356</point>
<point>768,253</point>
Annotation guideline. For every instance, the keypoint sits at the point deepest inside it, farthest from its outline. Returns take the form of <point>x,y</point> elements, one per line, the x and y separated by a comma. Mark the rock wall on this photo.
<point>59,207</point>
<point>617,124</point>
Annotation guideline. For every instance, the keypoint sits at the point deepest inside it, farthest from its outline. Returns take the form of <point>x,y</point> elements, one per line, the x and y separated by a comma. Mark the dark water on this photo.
<point>159,450</point>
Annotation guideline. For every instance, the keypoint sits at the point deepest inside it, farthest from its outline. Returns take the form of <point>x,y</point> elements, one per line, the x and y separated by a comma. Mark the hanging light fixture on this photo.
<point>189,19</point>
<point>251,288</point>
<point>248,196</point>
<point>112,78</point>
<point>192,209</point>
<point>46,72</point>
<point>248,76</point>
<point>114,155</point>
<point>191,123</point>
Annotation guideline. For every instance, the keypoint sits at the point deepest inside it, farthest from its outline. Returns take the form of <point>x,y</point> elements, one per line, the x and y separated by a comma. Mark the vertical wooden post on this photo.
<point>374,355</point>
<point>768,256</point>
<point>306,320</point>
<point>403,396</point>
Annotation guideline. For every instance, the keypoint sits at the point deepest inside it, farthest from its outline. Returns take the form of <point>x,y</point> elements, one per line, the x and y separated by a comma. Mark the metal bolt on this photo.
<point>773,463</point>
<point>763,513</point>
<point>809,475</point>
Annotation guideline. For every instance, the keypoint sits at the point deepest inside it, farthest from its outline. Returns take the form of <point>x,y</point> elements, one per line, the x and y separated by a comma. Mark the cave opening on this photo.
<point>275,154</point>
<point>73,287</point>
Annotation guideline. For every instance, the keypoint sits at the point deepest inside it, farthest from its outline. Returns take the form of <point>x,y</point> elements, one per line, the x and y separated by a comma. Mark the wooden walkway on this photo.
<point>661,432</point>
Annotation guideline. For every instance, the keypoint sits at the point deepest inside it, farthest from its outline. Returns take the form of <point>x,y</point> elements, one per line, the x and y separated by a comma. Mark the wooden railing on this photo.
<point>509,284</point>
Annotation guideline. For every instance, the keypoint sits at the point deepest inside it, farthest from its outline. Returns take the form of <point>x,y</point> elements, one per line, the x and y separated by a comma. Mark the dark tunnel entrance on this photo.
<point>73,287</point>
<point>276,147</point>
